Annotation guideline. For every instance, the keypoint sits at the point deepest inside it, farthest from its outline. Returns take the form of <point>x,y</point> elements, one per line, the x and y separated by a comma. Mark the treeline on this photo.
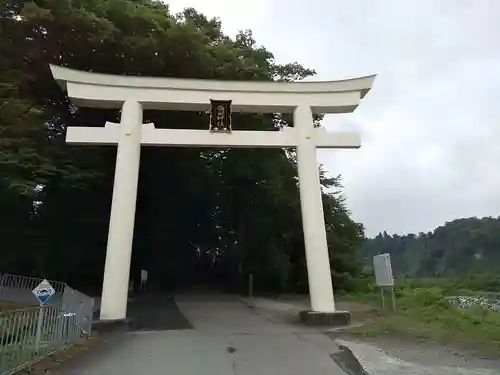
<point>460,247</point>
<point>203,215</point>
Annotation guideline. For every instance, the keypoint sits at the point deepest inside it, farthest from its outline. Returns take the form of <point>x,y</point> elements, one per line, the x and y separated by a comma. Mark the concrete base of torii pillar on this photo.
<point>336,318</point>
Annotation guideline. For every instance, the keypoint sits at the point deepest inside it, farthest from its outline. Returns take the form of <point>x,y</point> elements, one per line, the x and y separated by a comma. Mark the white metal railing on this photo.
<point>29,334</point>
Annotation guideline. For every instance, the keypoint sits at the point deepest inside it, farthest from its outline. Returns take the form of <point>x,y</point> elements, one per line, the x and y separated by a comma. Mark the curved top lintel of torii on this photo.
<point>90,89</point>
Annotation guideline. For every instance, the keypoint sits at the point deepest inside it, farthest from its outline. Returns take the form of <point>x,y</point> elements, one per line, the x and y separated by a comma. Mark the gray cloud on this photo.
<point>431,124</point>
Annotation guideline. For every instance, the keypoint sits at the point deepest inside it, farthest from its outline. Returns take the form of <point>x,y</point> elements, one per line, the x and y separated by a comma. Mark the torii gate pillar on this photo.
<point>134,94</point>
<point>121,222</point>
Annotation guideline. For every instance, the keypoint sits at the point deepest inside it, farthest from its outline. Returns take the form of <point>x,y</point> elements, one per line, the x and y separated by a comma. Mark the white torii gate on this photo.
<point>134,94</point>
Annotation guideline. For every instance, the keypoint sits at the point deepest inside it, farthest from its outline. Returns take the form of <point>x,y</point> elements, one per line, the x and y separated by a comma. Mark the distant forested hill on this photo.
<point>458,247</point>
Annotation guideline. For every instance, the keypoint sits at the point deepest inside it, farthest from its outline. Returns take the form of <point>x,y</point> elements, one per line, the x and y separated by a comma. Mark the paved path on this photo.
<point>227,338</point>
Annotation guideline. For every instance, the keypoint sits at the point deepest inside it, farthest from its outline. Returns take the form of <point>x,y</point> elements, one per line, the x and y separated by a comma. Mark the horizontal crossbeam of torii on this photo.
<point>150,136</point>
<point>134,94</point>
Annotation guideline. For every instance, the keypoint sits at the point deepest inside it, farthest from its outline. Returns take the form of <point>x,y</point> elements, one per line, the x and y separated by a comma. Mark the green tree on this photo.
<point>459,247</point>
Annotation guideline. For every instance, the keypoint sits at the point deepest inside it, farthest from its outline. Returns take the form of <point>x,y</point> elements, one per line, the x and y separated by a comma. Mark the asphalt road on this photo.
<point>208,334</point>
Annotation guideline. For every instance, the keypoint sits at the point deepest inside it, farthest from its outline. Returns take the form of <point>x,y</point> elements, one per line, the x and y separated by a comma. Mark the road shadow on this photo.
<point>153,313</point>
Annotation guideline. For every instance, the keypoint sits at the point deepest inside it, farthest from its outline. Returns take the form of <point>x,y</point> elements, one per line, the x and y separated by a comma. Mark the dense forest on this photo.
<point>459,247</point>
<point>203,215</point>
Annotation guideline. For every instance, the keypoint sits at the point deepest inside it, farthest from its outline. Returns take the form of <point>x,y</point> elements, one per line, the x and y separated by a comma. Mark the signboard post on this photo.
<point>43,293</point>
<point>383,276</point>
<point>144,280</point>
<point>250,285</point>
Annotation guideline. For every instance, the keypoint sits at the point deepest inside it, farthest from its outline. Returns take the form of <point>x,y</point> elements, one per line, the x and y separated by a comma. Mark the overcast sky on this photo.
<point>431,124</point>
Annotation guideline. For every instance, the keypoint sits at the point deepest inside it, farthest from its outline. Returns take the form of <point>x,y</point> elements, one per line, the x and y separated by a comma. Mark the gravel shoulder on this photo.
<point>390,355</point>
<point>424,353</point>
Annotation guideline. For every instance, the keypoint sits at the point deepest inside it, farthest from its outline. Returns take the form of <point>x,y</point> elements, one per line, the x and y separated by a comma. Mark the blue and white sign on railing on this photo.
<point>43,292</point>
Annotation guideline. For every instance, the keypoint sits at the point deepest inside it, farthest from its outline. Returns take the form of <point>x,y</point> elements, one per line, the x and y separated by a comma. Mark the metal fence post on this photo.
<point>39,325</point>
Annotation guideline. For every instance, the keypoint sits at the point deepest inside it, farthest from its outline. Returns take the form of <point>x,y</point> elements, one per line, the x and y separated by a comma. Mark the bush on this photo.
<point>363,284</point>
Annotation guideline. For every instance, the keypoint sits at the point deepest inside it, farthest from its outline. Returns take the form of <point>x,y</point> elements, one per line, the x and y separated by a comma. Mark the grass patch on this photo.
<point>8,306</point>
<point>423,313</point>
